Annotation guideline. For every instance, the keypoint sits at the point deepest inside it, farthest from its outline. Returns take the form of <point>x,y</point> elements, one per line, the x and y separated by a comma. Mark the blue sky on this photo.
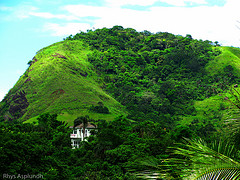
<point>27,26</point>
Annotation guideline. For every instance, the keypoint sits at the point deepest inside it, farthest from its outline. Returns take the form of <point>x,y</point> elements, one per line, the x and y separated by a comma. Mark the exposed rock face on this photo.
<point>59,56</point>
<point>34,59</point>
<point>58,92</point>
<point>28,80</point>
<point>18,105</point>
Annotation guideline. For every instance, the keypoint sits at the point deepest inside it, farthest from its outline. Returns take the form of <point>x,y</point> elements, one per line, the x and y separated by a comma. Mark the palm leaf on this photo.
<point>199,152</point>
<point>197,159</point>
<point>195,156</point>
<point>221,174</point>
<point>234,121</point>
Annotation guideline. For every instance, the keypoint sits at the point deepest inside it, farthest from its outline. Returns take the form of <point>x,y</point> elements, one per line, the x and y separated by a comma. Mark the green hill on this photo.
<point>159,77</point>
<point>167,87</point>
<point>59,80</point>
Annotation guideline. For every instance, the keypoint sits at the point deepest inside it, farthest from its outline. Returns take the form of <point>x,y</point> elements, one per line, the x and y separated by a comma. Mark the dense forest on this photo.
<point>160,79</point>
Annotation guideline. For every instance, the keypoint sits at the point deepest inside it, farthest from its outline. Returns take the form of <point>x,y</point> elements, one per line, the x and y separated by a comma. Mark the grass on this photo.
<point>216,107</point>
<point>229,56</point>
<point>211,109</point>
<point>62,81</point>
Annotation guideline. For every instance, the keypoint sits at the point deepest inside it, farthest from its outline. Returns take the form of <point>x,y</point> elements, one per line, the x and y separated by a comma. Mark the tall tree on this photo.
<point>84,121</point>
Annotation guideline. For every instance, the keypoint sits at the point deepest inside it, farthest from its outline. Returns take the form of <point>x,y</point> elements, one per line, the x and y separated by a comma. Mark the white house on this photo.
<point>78,134</point>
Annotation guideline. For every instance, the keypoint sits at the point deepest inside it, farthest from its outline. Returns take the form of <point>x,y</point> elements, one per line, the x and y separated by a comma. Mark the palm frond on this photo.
<point>196,156</point>
<point>233,124</point>
<point>220,174</point>
<point>233,120</point>
<point>197,159</point>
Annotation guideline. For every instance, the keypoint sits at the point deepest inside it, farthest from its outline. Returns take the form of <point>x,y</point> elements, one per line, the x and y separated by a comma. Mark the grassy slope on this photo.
<point>57,83</point>
<point>229,56</point>
<point>215,106</point>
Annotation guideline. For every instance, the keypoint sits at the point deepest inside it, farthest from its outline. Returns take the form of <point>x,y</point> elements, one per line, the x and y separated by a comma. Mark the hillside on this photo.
<point>229,57</point>
<point>160,102</point>
<point>217,107</point>
<point>59,80</point>
<point>159,77</point>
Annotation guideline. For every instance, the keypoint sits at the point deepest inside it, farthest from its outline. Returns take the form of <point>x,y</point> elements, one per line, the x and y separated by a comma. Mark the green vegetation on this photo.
<point>60,80</point>
<point>45,148</point>
<point>160,102</point>
<point>100,108</point>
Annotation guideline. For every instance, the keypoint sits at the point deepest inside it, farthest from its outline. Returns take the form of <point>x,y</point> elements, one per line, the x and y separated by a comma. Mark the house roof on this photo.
<point>89,126</point>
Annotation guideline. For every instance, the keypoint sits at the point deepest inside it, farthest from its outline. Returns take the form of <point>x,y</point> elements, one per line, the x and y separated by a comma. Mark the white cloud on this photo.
<point>26,11</point>
<point>202,22</point>
<point>17,12</point>
<point>5,8</point>
<point>48,15</point>
<point>66,29</point>
<point>183,2</point>
<point>118,3</point>
<point>23,12</point>
<point>85,11</point>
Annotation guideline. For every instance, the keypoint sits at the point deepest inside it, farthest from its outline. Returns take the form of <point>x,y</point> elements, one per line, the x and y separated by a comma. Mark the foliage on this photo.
<point>100,108</point>
<point>222,173</point>
<point>40,149</point>
<point>196,159</point>
<point>200,156</point>
<point>145,91</point>
<point>155,76</point>
<point>45,148</point>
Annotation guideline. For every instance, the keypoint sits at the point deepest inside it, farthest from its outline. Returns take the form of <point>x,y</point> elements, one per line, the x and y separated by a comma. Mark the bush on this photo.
<point>100,108</point>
